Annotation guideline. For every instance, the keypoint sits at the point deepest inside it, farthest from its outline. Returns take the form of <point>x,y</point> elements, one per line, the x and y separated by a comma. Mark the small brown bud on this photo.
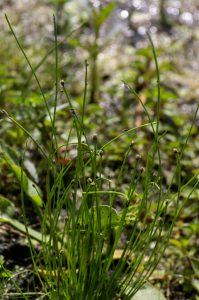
<point>132,144</point>
<point>141,169</point>
<point>54,161</point>
<point>33,185</point>
<point>61,91</point>
<point>138,157</point>
<point>73,181</point>
<point>94,136</point>
<point>175,151</point>
<point>101,152</point>
<point>166,202</point>
<point>62,82</point>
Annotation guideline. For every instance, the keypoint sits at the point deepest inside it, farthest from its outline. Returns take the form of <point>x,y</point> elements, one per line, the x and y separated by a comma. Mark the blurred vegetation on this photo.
<point>111,36</point>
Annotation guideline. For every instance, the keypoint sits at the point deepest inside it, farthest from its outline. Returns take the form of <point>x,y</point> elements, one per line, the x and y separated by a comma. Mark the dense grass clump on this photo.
<point>81,258</point>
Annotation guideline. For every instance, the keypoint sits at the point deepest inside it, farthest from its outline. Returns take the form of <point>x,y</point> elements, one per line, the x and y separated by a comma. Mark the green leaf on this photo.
<point>103,14</point>
<point>7,210</point>
<point>195,284</point>
<point>131,213</point>
<point>147,292</point>
<point>75,42</point>
<point>9,152</point>
<point>195,265</point>
<point>11,158</point>
<point>175,243</point>
<point>107,212</point>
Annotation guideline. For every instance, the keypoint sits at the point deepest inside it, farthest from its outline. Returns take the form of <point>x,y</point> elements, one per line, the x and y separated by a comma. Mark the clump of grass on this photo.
<point>77,262</point>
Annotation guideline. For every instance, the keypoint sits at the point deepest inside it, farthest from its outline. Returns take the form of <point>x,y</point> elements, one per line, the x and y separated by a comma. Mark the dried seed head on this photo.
<point>89,180</point>
<point>94,136</point>
<point>166,202</point>
<point>110,181</point>
<point>72,181</point>
<point>92,184</point>
<point>101,152</point>
<point>54,161</point>
<point>141,169</point>
<point>132,144</point>
<point>137,157</point>
<point>175,151</point>
<point>62,82</point>
<point>33,185</point>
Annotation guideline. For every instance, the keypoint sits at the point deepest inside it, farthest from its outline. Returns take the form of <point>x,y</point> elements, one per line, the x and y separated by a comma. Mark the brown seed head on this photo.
<point>62,82</point>
<point>175,151</point>
<point>141,169</point>
<point>138,157</point>
<point>101,152</point>
<point>94,136</point>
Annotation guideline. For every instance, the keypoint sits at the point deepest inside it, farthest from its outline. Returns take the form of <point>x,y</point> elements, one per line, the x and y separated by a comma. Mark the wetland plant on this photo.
<point>81,260</point>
